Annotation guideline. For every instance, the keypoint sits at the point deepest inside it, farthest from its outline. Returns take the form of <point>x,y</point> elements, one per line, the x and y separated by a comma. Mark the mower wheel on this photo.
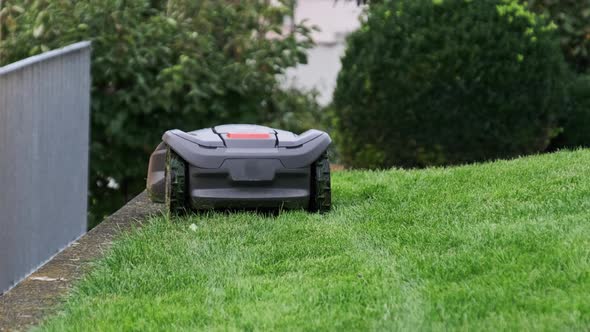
<point>176,193</point>
<point>321,192</point>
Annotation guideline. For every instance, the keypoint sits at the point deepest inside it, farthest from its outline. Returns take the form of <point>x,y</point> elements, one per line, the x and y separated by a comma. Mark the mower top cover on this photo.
<point>241,166</point>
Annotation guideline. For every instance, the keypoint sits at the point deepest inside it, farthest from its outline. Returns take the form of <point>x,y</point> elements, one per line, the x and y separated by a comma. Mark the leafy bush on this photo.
<point>573,19</point>
<point>576,124</point>
<point>437,82</point>
<point>163,64</point>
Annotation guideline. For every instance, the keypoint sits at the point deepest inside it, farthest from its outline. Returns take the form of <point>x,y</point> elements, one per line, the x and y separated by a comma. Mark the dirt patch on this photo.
<point>337,167</point>
<point>40,293</point>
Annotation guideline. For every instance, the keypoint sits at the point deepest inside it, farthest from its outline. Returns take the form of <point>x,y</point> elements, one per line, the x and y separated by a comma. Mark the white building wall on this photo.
<point>336,19</point>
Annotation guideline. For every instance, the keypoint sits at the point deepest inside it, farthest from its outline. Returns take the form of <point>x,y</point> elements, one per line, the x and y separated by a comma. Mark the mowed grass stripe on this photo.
<point>503,245</point>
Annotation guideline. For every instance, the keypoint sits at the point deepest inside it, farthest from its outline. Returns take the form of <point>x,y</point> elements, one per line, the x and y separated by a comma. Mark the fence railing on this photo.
<point>44,137</point>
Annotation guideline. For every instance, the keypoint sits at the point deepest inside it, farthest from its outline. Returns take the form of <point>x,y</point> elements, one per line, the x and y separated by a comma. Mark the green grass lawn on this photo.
<point>498,246</point>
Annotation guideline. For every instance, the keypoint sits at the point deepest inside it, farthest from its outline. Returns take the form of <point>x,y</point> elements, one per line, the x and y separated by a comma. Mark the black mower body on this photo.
<point>239,166</point>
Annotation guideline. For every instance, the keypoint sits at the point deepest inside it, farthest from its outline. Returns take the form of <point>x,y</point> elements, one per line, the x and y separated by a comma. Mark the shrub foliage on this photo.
<point>437,82</point>
<point>159,65</point>
<point>576,125</point>
<point>573,20</point>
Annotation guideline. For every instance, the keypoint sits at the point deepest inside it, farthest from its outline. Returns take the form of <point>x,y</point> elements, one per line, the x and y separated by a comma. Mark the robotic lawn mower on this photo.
<point>241,166</point>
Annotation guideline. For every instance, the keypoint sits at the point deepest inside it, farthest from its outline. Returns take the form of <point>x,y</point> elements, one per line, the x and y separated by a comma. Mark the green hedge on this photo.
<point>576,125</point>
<point>573,19</point>
<point>438,82</point>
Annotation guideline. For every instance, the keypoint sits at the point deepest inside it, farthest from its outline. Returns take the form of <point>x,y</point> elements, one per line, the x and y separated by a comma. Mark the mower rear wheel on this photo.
<point>321,192</point>
<point>176,185</point>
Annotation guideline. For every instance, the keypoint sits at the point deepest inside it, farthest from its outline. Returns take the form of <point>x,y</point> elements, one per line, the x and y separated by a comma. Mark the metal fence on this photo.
<point>44,134</point>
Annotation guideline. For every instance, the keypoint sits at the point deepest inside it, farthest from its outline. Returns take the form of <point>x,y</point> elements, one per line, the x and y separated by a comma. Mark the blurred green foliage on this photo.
<point>576,123</point>
<point>161,64</point>
<point>439,82</point>
<point>573,20</point>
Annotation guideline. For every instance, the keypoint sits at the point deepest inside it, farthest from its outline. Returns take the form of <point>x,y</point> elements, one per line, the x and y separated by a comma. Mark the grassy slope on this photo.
<point>504,245</point>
